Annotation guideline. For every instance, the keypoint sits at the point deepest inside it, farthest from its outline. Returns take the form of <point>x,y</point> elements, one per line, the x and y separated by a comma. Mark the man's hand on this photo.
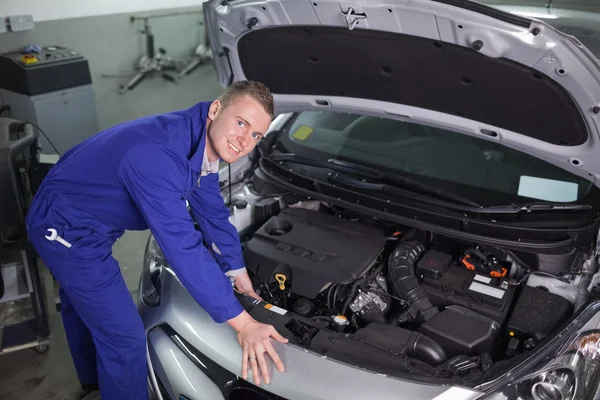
<point>254,337</point>
<point>244,285</point>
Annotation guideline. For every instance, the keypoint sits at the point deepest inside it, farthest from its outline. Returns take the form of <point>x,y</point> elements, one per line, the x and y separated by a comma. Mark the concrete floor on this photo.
<point>26,375</point>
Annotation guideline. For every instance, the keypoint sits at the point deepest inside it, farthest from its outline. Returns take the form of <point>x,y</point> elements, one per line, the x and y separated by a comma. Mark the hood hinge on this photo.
<point>225,52</point>
<point>352,17</point>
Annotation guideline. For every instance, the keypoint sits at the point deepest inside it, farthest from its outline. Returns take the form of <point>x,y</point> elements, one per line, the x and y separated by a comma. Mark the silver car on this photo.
<point>422,218</point>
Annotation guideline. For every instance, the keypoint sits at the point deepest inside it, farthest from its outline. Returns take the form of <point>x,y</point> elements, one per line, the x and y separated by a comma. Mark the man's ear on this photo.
<point>214,109</point>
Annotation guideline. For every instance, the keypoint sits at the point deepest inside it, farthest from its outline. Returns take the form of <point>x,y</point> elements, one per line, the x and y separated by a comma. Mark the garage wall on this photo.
<point>43,10</point>
<point>113,45</point>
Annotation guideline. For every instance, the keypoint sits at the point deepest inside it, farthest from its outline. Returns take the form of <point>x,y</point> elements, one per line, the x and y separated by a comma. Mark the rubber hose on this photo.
<point>416,345</point>
<point>401,271</point>
<point>425,349</point>
<point>373,314</point>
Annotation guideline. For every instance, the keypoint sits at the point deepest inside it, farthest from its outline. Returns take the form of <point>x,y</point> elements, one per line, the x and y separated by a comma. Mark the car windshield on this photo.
<point>487,172</point>
<point>579,18</point>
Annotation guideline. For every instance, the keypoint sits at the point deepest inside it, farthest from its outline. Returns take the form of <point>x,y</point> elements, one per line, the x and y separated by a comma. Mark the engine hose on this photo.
<point>401,271</point>
<point>415,344</point>
<point>425,349</point>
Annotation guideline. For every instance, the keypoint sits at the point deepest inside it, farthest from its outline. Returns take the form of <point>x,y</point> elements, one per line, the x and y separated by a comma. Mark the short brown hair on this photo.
<point>254,89</point>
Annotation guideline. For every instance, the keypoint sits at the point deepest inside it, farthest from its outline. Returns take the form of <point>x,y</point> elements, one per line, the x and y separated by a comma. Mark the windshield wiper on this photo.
<point>537,206</point>
<point>395,185</point>
<point>380,177</point>
<point>398,180</point>
<point>395,191</point>
<point>505,209</point>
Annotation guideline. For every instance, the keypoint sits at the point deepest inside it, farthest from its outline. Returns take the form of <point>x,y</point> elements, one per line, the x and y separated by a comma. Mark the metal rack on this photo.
<point>18,261</point>
<point>156,62</point>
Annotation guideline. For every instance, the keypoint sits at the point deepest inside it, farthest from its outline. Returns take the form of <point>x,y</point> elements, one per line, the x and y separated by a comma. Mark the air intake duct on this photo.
<point>401,271</point>
<point>402,341</point>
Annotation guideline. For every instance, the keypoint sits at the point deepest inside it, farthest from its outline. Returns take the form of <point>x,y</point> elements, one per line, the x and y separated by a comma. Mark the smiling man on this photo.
<point>136,176</point>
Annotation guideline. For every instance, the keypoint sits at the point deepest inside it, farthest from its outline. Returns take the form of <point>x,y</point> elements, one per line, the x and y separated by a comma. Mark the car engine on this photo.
<point>399,299</point>
<point>312,250</point>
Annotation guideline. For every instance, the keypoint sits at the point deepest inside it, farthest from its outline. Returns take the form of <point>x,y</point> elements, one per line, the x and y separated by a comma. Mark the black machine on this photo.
<point>21,284</point>
<point>50,87</point>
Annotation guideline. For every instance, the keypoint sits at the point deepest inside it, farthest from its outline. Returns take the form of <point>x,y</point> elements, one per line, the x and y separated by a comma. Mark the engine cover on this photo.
<point>317,248</point>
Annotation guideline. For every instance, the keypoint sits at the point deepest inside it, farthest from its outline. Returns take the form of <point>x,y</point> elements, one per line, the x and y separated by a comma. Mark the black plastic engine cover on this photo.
<point>318,249</point>
<point>538,312</point>
<point>461,331</point>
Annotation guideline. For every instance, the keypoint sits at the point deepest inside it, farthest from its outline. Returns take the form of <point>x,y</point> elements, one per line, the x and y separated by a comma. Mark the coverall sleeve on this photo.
<point>212,215</point>
<point>155,178</point>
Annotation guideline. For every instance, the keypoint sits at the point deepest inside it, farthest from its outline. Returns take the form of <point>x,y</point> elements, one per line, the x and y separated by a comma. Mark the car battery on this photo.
<point>486,295</point>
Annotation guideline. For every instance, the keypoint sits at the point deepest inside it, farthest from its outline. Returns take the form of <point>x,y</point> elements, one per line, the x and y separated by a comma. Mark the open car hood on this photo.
<point>454,64</point>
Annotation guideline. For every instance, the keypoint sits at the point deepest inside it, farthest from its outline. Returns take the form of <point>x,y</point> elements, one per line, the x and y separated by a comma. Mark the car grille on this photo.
<point>232,387</point>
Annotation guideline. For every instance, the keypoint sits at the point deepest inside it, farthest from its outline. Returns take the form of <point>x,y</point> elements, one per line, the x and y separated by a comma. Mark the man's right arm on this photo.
<point>155,178</point>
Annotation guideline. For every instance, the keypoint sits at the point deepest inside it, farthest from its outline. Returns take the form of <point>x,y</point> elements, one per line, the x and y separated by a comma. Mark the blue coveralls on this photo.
<point>134,176</point>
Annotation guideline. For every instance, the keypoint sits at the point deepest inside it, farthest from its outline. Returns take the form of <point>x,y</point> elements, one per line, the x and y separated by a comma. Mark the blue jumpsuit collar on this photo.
<point>199,118</point>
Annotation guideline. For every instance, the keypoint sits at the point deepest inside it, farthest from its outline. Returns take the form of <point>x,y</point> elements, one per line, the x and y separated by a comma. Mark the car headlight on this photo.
<point>154,263</point>
<point>566,368</point>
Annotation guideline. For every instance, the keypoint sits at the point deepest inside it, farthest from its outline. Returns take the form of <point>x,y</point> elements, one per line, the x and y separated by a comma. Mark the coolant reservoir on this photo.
<point>242,215</point>
<point>340,322</point>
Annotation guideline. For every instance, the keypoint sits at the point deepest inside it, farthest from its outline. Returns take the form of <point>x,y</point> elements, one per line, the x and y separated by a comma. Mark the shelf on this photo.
<point>95,395</point>
<point>19,329</point>
<point>19,336</point>
<point>15,282</point>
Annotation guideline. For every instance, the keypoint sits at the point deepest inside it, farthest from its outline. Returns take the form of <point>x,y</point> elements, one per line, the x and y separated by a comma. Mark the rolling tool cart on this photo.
<point>23,312</point>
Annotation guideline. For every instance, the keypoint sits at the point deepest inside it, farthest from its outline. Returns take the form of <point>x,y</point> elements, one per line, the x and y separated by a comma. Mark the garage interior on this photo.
<point>111,39</point>
<point>112,42</point>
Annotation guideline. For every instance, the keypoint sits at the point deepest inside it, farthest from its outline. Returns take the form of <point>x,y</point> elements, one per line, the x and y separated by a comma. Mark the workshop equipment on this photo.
<point>202,55</point>
<point>50,87</point>
<point>152,63</point>
<point>155,63</point>
<point>22,286</point>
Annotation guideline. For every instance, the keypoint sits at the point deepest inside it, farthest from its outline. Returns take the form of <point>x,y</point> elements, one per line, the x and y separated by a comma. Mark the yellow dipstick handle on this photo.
<point>281,279</point>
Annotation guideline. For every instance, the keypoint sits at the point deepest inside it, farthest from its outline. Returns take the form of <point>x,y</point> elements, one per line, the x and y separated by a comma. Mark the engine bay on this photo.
<point>312,250</point>
<point>399,300</point>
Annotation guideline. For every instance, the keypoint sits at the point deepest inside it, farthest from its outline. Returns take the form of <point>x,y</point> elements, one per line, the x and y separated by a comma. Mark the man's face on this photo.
<point>235,130</point>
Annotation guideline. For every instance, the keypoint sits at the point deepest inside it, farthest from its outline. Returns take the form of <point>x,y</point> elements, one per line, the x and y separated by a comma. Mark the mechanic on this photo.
<point>135,176</point>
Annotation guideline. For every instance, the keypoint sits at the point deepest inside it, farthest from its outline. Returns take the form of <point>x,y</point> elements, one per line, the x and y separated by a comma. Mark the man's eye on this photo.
<point>256,135</point>
<point>240,123</point>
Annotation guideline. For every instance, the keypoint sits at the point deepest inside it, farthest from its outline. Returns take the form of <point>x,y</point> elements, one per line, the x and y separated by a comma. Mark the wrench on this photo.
<point>54,236</point>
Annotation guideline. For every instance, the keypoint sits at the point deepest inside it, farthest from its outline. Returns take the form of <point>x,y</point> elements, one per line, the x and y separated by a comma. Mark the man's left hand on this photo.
<point>244,285</point>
